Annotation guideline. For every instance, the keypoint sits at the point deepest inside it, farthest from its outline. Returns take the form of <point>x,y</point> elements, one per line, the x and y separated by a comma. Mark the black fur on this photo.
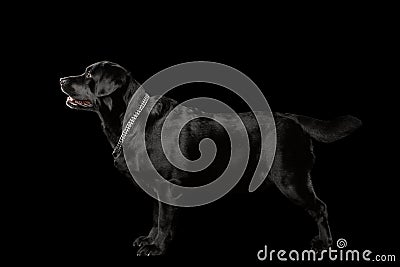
<point>109,87</point>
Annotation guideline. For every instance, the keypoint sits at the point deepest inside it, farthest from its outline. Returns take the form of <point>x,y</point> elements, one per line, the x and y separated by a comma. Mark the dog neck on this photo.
<point>112,120</point>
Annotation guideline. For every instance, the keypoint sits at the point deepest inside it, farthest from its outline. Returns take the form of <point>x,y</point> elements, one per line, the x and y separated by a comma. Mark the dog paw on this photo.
<point>150,250</point>
<point>142,241</point>
<point>318,245</point>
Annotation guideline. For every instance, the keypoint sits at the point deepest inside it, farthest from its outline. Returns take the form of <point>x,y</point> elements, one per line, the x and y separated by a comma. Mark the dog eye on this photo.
<point>88,75</point>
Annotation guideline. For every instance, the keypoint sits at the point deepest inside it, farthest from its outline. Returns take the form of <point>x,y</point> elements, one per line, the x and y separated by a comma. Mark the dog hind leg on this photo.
<point>302,193</point>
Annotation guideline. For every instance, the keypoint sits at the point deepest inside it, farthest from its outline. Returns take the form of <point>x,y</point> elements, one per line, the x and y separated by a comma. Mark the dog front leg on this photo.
<point>146,240</point>
<point>166,217</point>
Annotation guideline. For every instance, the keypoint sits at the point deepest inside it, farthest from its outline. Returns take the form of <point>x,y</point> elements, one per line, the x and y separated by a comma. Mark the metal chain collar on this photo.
<point>128,126</point>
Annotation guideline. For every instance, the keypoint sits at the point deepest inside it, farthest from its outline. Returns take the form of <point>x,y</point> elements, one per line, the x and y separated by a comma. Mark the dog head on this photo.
<point>100,86</point>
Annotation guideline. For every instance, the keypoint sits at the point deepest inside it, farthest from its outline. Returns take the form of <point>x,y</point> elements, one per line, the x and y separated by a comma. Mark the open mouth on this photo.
<point>79,103</point>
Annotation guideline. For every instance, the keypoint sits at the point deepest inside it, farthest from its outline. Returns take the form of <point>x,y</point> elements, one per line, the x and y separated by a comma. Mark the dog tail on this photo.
<point>327,131</point>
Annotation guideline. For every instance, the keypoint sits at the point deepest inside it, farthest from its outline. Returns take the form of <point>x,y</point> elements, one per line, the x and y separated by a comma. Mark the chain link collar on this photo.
<point>128,126</point>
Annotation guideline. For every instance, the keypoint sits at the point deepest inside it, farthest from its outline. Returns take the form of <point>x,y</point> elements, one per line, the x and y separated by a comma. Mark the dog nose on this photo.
<point>63,81</point>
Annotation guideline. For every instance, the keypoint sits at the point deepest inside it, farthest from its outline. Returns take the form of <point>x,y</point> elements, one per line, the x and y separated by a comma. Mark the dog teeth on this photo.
<point>75,102</point>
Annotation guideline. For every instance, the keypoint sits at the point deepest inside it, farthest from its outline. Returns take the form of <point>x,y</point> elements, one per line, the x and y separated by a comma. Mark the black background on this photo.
<point>79,206</point>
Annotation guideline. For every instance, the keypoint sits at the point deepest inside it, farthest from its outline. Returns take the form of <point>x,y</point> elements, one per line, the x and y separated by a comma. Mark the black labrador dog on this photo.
<point>106,88</point>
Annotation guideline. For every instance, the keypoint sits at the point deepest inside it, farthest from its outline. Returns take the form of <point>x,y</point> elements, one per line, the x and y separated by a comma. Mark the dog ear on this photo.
<point>108,86</point>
